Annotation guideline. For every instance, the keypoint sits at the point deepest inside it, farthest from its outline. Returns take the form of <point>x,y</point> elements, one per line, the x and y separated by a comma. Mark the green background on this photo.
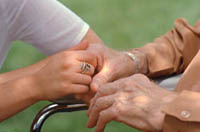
<point>122,24</point>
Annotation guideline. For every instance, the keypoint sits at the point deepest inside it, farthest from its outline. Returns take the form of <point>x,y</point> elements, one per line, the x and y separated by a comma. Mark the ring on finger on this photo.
<point>85,67</point>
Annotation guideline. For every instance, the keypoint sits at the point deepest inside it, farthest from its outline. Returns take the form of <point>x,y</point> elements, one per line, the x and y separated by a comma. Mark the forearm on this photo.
<point>5,77</point>
<point>16,95</point>
<point>90,38</point>
<point>17,90</point>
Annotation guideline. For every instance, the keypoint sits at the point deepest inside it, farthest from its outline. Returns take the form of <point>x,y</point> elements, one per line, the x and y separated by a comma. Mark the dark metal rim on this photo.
<point>52,109</point>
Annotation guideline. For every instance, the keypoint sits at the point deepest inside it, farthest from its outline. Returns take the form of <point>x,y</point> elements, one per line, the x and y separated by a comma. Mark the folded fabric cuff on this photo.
<point>185,107</point>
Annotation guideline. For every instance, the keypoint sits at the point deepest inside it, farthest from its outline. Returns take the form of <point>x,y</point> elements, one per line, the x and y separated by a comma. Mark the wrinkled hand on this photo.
<point>62,75</point>
<point>135,101</point>
<point>112,65</point>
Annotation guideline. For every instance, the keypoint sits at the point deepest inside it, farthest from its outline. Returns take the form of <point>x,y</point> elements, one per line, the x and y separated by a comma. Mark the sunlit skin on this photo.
<point>112,65</point>
<point>106,69</point>
<point>134,101</point>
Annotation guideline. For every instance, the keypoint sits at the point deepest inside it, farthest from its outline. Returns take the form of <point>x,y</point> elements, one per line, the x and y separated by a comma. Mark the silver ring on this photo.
<point>85,67</point>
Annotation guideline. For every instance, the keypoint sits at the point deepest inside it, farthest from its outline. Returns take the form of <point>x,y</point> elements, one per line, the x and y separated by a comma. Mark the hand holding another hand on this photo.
<point>111,65</point>
<point>62,75</point>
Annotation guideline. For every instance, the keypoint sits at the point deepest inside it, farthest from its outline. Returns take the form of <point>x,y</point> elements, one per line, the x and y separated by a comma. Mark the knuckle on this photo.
<point>66,64</point>
<point>128,89</point>
<point>90,53</point>
<point>102,114</point>
<point>102,89</point>
<point>65,85</point>
<point>126,83</point>
<point>65,76</point>
<point>123,83</point>
<point>89,78</point>
<point>115,113</point>
<point>98,103</point>
<point>65,55</point>
<point>119,110</point>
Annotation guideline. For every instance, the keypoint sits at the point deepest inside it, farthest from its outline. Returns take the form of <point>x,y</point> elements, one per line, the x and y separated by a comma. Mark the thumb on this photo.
<point>104,76</point>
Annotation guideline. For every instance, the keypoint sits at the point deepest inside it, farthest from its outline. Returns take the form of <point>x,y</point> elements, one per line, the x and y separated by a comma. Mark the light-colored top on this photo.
<point>46,24</point>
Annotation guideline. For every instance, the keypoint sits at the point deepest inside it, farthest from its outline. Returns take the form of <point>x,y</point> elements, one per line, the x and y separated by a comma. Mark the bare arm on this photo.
<point>22,72</point>
<point>50,78</point>
<point>18,87</point>
<point>90,38</point>
<point>15,96</point>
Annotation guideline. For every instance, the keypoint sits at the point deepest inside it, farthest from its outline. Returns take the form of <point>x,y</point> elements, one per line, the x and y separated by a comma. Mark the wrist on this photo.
<point>140,61</point>
<point>33,87</point>
<point>134,59</point>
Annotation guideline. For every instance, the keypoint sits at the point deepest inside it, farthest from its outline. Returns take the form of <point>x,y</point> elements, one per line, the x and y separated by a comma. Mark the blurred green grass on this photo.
<point>122,24</point>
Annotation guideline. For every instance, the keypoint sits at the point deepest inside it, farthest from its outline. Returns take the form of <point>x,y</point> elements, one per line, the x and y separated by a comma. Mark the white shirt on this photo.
<point>46,24</point>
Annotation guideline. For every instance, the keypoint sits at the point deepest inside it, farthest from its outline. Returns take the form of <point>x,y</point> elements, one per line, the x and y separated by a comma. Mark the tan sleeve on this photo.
<point>172,52</point>
<point>183,114</point>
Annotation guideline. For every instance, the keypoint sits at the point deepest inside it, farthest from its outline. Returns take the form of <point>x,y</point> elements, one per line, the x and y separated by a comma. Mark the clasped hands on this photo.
<point>123,96</point>
<point>134,100</point>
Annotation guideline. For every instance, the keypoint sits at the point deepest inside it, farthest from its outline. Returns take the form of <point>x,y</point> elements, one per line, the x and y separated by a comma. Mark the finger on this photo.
<point>89,71</point>
<point>104,118</point>
<point>100,61</point>
<point>85,97</point>
<point>100,105</point>
<point>86,56</point>
<point>104,76</point>
<point>98,50</point>
<point>105,90</point>
<point>78,89</point>
<point>78,78</point>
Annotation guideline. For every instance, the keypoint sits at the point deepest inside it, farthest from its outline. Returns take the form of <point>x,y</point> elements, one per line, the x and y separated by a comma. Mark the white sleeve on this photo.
<point>46,24</point>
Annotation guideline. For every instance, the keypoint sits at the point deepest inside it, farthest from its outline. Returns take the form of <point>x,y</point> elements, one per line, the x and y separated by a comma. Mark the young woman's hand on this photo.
<point>64,75</point>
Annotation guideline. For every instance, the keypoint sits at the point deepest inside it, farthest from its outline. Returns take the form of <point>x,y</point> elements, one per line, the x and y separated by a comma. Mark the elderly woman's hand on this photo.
<point>113,65</point>
<point>135,101</point>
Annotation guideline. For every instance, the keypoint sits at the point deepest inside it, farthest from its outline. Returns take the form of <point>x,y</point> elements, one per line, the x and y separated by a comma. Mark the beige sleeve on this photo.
<point>172,52</point>
<point>182,115</point>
